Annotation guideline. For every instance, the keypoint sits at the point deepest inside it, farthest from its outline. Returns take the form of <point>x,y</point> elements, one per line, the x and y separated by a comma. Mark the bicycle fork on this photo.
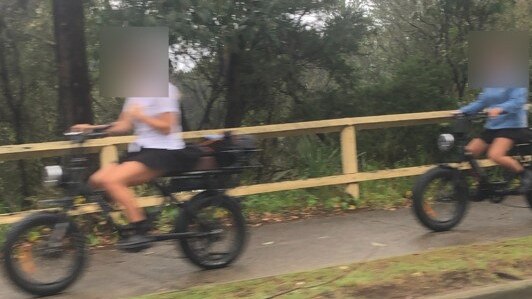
<point>478,173</point>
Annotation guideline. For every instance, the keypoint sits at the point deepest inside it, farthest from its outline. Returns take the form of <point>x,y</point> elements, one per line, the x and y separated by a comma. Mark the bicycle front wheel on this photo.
<point>440,199</point>
<point>44,254</point>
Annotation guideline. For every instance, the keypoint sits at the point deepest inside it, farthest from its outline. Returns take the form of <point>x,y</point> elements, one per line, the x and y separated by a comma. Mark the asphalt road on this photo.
<point>289,247</point>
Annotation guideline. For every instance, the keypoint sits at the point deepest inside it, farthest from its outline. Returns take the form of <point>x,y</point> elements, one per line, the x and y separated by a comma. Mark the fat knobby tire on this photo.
<point>461,193</point>
<point>43,289</point>
<point>187,217</point>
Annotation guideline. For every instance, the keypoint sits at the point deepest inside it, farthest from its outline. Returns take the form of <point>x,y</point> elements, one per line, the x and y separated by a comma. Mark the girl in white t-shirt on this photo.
<point>158,149</point>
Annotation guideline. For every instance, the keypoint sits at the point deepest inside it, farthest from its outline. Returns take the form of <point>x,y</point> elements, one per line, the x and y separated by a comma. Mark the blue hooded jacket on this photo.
<point>512,102</point>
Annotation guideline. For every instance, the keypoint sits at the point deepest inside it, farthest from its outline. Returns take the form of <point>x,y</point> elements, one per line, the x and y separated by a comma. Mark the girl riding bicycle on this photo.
<point>158,149</point>
<point>507,125</point>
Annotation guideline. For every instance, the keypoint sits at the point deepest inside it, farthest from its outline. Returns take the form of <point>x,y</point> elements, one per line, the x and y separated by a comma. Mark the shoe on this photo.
<point>134,243</point>
<point>526,182</point>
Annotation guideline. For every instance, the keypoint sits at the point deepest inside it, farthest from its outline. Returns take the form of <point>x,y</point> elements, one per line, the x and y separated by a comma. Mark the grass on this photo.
<point>408,276</point>
<point>383,194</point>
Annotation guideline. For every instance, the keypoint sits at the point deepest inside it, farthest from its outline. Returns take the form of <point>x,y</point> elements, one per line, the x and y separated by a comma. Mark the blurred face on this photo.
<point>134,62</point>
<point>498,60</point>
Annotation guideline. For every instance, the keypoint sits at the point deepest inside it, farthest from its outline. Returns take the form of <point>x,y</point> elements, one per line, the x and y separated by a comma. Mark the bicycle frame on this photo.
<point>76,186</point>
<point>461,128</point>
<point>452,189</point>
<point>72,176</point>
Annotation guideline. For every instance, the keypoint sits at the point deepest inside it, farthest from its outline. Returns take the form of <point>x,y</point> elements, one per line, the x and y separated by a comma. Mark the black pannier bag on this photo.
<point>228,150</point>
<point>223,158</point>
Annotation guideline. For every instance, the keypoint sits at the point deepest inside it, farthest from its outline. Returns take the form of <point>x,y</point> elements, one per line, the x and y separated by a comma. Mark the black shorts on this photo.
<point>168,161</point>
<point>518,135</point>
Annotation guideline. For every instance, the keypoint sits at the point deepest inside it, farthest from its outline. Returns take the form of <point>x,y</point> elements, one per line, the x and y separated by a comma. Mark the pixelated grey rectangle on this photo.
<point>498,59</point>
<point>134,62</point>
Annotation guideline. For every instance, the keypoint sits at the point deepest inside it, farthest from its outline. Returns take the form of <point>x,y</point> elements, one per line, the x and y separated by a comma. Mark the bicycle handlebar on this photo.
<point>481,114</point>
<point>80,137</point>
<point>101,128</point>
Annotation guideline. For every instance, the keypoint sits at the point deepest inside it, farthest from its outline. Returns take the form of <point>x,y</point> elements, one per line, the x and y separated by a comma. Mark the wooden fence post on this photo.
<point>108,154</point>
<point>348,140</point>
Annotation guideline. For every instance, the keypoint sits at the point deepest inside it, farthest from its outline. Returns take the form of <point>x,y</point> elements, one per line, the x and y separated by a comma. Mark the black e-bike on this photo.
<point>46,252</point>
<point>441,195</point>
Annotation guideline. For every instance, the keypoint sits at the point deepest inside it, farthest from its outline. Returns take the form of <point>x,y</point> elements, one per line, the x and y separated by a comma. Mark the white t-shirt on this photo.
<point>147,136</point>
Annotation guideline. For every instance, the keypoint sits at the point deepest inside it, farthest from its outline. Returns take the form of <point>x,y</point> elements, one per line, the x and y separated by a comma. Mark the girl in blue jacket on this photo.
<point>507,124</point>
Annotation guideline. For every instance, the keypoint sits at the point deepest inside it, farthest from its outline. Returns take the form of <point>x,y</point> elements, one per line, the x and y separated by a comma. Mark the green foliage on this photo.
<point>167,219</point>
<point>385,194</point>
<point>299,201</point>
<point>278,202</point>
<point>315,158</point>
<point>262,62</point>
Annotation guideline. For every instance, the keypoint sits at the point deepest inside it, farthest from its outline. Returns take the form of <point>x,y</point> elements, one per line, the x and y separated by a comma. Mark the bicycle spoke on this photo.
<point>41,257</point>
<point>439,203</point>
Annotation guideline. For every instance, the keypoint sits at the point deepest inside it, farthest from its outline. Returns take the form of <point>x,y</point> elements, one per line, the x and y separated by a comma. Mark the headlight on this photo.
<point>52,175</point>
<point>445,142</point>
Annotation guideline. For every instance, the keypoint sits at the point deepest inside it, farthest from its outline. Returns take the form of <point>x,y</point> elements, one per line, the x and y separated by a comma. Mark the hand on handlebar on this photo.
<point>491,113</point>
<point>457,113</point>
<point>86,128</point>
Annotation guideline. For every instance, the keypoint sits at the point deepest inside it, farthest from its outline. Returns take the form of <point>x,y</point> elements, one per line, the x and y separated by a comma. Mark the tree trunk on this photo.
<point>184,123</point>
<point>235,102</point>
<point>74,88</point>
<point>15,100</point>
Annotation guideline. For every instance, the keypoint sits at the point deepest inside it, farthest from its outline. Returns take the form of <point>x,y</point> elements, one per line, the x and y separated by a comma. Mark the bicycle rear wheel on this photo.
<point>220,221</point>
<point>44,254</point>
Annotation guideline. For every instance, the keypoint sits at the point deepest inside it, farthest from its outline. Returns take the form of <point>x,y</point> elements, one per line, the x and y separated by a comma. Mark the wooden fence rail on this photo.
<point>348,128</point>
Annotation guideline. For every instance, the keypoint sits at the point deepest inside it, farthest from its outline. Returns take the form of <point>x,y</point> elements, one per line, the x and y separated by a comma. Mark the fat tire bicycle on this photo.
<point>210,217</point>
<point>441,196</point>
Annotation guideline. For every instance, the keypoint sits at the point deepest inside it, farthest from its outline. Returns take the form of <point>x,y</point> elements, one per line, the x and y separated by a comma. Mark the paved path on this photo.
<point>288,247</point>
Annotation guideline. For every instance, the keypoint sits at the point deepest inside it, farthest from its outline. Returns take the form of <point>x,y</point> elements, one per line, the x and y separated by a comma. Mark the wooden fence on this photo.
<point>347,127</point>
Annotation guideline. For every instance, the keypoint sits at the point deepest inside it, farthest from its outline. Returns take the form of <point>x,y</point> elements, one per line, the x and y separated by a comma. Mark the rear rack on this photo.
<point>216,179</point>
<point>218,171</point>
<point>65,202</point>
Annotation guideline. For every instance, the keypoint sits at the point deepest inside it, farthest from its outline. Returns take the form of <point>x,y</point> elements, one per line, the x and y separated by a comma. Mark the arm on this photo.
<point>475,106</point>
<point>162,122</point>
<point>166,114</point>
<point>516,101</point>
<point>122,126</point>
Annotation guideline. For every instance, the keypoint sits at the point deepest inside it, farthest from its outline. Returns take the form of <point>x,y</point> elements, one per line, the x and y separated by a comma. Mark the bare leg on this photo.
<point>476,147</point>
<point>116,182</point>
<point>498,153</point>
<point>96,179</point>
